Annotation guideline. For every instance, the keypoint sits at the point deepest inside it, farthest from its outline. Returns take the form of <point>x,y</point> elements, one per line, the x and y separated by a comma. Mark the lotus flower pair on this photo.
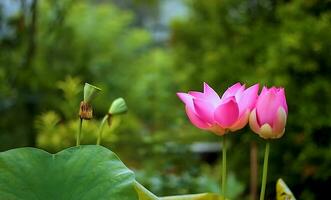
<point>266,112</point>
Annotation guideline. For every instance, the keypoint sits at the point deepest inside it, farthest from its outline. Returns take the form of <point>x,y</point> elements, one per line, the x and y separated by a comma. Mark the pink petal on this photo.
<point>253,123</point>
<point>273,89</point>
<point>264,90</point>
<point>241,122</point>
<point>187,99</point>
<point>227,113</point>
<point>231,91</point>
<point>283,99</point>
<point>204,110</point>
<point>210,94</point>
<point>240,93</point>
<point>266,107</point>
<point>195,120</point>
<point>279,122</point>
<point>248,99</point>
<point>198,95</point>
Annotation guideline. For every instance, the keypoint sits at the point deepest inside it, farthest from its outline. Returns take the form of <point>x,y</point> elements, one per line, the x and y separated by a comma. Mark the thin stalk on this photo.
<point>102,125</point>
<point>224,166</point>
<point>265,171</point>
<point>254,171</point>
<point>79,132</point>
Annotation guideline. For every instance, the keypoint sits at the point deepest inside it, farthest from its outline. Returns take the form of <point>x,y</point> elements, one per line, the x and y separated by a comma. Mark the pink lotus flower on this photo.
<point>268,118</point>
<point>206,110</point>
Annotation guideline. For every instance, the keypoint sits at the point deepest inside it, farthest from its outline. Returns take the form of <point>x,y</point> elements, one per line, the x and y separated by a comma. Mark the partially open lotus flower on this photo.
<point>268,118</point>
<point>208,111</point>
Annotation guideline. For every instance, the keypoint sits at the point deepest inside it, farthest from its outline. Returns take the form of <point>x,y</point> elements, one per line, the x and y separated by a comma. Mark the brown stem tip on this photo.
<point>85,111</point>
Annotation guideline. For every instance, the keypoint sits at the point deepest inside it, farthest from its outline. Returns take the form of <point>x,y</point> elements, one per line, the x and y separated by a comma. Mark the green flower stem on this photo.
<point>224,166</point>
<point>102,125</point>
<point>79,132</point>
<point>265,171</point>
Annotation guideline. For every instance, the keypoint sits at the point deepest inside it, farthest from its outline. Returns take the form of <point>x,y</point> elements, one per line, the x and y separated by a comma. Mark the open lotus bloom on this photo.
<point>268,118</point>
<point>208,111</point>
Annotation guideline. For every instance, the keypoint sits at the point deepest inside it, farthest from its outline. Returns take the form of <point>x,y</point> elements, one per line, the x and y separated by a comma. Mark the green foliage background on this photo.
<point>42,71</point>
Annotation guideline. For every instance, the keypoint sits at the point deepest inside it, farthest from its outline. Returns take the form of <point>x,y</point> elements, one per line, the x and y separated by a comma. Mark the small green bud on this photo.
<point>118,107</point>
<point>90,91</point>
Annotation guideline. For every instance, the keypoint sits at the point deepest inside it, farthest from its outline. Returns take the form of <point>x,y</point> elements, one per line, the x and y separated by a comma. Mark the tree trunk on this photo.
<point>30,54</point>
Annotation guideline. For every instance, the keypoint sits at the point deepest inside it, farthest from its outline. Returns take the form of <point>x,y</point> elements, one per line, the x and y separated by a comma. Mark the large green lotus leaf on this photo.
<point>143,193</point>
<point>78,173</point>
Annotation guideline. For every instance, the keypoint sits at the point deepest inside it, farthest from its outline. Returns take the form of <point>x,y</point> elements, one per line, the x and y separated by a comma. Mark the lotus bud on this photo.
<point>117,107</point>
<point>268,118</point>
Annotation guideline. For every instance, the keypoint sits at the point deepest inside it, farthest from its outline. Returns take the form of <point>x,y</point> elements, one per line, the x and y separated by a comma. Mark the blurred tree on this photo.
<point>95,42</point>
<point>274,43</point>
<point>84,41</point>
